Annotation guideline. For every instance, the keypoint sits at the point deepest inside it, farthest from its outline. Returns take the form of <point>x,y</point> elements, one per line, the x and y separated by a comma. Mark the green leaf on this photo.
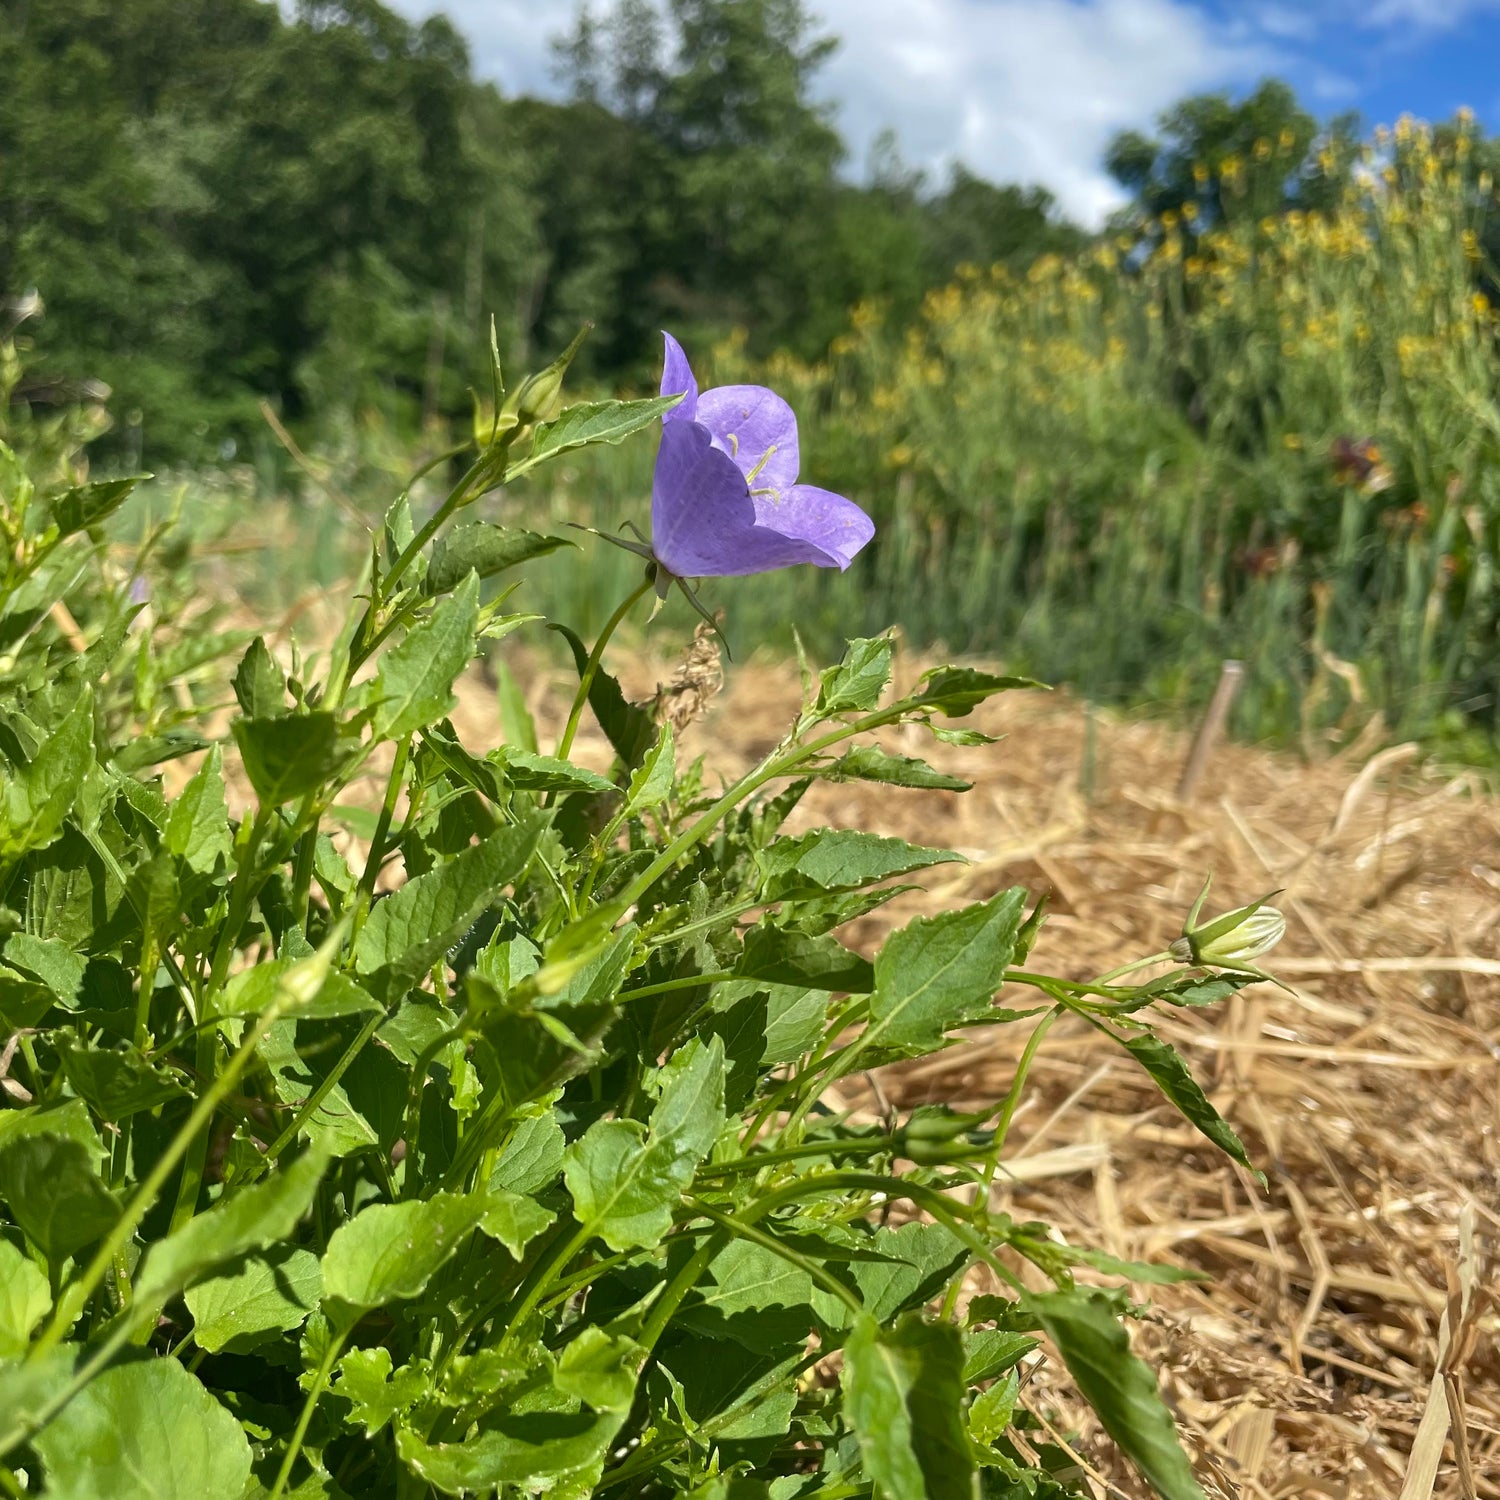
<point>197,829</point>
<point>87,505</point>
<point>940,972</point>
<point>259,683</point>
<point>390,1251</point>
<point>903,1397</point>
<point>1181,1089</point>
<point>1199,989</point>
<point>250,991</point>
<point>994,1410</point>
<point>871,763</point>
<point>1148,1273</point>
<point>414,686</point>
<point>365,1381</point>
<point>411,929</point>
<point>531,1158</point>
<point>144,1431</point>
<point>794,958</point>
<point>630,730</point>
<point>35,801</point>
<point>254,1299</point>
<point>593,422</point>
<point>626,1182</point>
<point>24,1300</point>
<point>529,772</point>
<point>989,1352</point>
<point>542,1443</point>
<point>835,859</point>
<point>514,1220</point>
<point>117,1082</point>
<point>289,755</point>
<point>240,1222</point>
<point>484,549</point>
<point>919,1259</point>
<point>748,1293</point>
<point>68,1118</point>
<point>1120,1387</point>
<point>50,960</point>
<point>653,780</point>
<point>54,1194</point>
<point>958,691</point>
<point>600,1369</point>
<point>856,683</point>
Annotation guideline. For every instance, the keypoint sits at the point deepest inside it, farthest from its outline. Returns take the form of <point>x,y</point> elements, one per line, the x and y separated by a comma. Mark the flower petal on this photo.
<point>749,422</point>
<point>836,526</point>
<point>704,522</point>
<point>677,375</point>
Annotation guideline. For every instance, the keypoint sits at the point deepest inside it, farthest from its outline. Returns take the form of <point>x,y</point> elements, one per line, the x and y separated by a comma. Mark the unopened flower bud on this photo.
<point>533,398</point>
<point>1233,941</point>
<point>930,1132</point>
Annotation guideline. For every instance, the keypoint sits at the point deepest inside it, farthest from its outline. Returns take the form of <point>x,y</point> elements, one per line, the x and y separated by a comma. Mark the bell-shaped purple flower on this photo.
<point>725,499</point>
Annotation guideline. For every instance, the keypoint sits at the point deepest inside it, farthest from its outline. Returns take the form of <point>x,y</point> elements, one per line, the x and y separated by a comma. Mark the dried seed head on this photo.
<point>694,684</point>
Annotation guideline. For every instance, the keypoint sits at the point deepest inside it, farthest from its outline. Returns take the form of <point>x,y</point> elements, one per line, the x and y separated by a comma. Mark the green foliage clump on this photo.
<point>516,1177</point>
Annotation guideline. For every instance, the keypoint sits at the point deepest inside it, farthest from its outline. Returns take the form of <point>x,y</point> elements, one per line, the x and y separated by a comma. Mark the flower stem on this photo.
<point>591,667</point>
<point>1130,968</point>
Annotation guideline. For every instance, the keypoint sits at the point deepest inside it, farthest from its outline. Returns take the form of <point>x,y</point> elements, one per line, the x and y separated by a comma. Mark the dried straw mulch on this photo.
<point>1346,1343</point>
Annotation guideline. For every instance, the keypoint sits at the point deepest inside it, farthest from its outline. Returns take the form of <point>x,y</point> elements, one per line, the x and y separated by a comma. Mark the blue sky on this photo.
<point>1032,90</point>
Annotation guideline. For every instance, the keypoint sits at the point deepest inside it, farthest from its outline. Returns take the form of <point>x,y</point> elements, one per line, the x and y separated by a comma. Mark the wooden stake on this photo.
<point>1230,676</point>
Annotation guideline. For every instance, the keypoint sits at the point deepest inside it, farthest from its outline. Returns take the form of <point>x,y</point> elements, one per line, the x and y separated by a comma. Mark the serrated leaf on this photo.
<point>625,1181</point>
<point>24,1300</point>
<point>117,1082</point>
<point>903,1395</point>
<point>630,730</point>
<point>531,1158</point>
<point>652,782</point>
<point>856,683</point>
<point>390,1251</point>
<point>54,1194</point>
<point>144,1431</point>
<point>414,686</point>
<point>753,1296</point>
<point>918,1259</point>
<point>835,859</point>
<point>289,755</point>
<point>1182,1091</point>
<point>994,1410</point>
<point>1120,1387</point>
<point>367,1383</point>
<point>958,691</point>
<point>871,763</point>
<point>940,972</point>
<point>989,1352</point>
<point>794,958</point>
<point>88,504</point>
<point>259,683</point>
<point>242,1221</point>
<point>254,1299</point>
<point>484,549</point>
<point>592,422</point>
<point>409,930</point>
<point>197,827</point>
<point>529,772</point>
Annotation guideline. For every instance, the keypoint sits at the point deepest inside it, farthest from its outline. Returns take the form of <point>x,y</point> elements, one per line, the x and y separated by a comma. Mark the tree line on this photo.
<point>222,201</point>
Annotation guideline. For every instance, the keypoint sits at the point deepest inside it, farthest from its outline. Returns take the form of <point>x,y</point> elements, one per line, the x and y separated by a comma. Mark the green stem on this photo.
<point>745,1230</point>
<point>315,1391</point>
<point>1130,968</point>
<point>591,667</point>
<point>686,982</point>
<point>665,1306</point>
<point>371,873</point>
<point>1013,1096</point>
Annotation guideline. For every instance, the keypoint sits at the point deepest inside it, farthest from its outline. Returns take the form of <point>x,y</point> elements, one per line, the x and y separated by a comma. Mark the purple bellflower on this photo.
<point>725,499</point>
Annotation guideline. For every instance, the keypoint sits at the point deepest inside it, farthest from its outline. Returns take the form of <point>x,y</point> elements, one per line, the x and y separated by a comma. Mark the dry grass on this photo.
<point>1369,1095</point>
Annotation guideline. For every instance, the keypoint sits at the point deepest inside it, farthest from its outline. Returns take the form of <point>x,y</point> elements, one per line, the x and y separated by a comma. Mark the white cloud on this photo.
<point>1026,90</point>
<point>1019,90</point>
